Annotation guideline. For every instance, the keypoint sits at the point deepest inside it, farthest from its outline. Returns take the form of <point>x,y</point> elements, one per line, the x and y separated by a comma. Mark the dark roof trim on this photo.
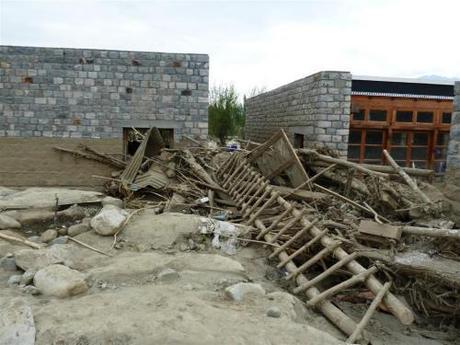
<point>383,94</point>
<point>402,88</point>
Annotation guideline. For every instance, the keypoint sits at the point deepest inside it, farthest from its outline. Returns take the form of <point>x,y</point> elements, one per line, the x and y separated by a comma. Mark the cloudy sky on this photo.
<point>255,43</point>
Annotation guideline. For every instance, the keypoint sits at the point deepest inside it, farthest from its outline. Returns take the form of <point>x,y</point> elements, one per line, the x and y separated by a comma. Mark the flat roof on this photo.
<point>403,80</point>
<point>401,87</point>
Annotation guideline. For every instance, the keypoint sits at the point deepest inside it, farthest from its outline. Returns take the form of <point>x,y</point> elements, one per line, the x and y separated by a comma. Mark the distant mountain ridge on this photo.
<point>434,77</point>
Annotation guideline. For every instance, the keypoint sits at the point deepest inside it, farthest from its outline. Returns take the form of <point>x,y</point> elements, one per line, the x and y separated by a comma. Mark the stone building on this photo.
<point>61,96</point>
<point>360,116</point>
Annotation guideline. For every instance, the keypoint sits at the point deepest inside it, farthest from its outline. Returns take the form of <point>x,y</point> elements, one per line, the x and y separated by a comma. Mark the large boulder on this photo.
<point>60,281</point>
<point>109,220</point>
<point>17,325</point>
<point>7,222</point>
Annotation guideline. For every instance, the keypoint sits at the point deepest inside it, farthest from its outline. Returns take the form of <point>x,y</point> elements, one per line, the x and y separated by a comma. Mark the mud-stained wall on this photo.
<point>33,162</point>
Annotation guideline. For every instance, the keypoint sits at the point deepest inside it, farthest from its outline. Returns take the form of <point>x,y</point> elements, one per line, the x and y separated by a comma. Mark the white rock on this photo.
<point>27,277</point>
<point>242,291</point>
<point>48,235</point>
<point>109,220</point>
<point>7,222</point>
<point>16,323</point>
<point>60,281</point>
<point>108,200</point>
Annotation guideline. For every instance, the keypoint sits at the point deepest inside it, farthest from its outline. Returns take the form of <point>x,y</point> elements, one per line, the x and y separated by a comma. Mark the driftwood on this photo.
<point>20,240</point>
<point>406,178</point>
<point>83,244</point>
<point>342,162</point>
<point>369,312</point>
<point>389,170</point>
<point>199,170</point>
<point>432,232</point>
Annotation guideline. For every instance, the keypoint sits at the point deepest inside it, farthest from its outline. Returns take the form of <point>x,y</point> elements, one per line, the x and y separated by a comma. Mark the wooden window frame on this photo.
<point>392,105</point>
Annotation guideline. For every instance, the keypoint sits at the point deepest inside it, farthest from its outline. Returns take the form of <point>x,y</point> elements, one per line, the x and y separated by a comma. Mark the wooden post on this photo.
<point>369,312</point>
<point>406,178</point>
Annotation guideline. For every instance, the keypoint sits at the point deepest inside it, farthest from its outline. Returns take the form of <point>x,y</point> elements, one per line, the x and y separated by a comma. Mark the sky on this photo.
<point>255,44</point>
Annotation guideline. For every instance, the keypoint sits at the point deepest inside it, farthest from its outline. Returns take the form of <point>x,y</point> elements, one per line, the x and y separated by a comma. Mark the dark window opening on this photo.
<point>446,117</point>
<point>353,152</point>
<point>443,139</point>
<point>420,138</point>
<point>374,137</point>
<point>186,92</point>
<point>425,116</point>
<point>135,62</point>
<point>132,138</point>
<point>359,115</point>
<point>129,90</point>
<point>86,61</point>
<point>377,115</point>
<point>177,64</point>
<point>298,140</point>
<point>404,116</point>
<point>28,80</point>
<point>354,137</point>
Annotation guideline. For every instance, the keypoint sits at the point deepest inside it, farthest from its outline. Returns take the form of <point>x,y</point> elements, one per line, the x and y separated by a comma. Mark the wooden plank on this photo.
<point>382,230</point>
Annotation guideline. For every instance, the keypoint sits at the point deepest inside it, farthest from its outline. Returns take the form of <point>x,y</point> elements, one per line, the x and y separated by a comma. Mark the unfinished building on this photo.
<point>61,96</point>
<point>361,116</point>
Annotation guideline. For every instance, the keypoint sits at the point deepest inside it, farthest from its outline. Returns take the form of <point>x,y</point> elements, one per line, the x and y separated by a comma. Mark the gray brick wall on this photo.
<point>87,93</point>
<point>453,151</point>
<point>317,106</point>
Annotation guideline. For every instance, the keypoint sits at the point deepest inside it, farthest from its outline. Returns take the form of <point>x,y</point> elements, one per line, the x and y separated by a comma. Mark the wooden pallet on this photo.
<point>252,192</point>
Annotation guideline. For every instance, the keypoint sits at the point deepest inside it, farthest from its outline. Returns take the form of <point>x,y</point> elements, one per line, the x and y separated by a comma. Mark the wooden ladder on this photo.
<point>253,195</point>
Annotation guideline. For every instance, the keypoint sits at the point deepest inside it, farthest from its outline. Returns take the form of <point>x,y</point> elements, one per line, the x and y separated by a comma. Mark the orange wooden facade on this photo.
<point>415,131</point>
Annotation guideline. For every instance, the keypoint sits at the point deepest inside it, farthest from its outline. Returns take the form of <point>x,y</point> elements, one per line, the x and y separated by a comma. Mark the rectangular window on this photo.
<point>425,116</point>
<point>420,138</point>
<point>446,117</point>
<point>404,116</point>
<point>443,139</point>
<point>359,115</point>
<point>298,140</point>
<point>353,152</point>
<point>377,115</point>
<point>354,137</point>
<point>374,137</point>
<point>399,138</point>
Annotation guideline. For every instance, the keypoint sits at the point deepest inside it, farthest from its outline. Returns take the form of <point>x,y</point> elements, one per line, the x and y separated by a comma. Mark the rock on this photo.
<point>31,290</point>
<point>39,258</point>
<point>16,323</point>
<point>35,239</point>
<point>28,277</point>
<point>274,312</point>
<point>109,220</point>
<point>14,280</point>
<point>108,200</point>
<point>8,263</point>
<point>62,231</point>
<point>86,221</point>
<point>48,235</point>
<point>60,281</point>
<point>242,291</point>
<point>78,229</point>
<point>59,240</point>
<point>168,275</point>
<point>7,222</point>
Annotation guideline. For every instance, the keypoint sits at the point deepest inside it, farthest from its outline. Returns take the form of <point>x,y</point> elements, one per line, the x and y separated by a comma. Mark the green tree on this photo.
<point>226,113</point>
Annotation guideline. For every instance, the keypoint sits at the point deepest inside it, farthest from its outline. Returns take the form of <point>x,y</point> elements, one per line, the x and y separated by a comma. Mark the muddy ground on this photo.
<point>165,284</point>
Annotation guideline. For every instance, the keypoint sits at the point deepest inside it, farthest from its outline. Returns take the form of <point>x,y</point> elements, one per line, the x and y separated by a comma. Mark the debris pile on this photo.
<point>338,231</point>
